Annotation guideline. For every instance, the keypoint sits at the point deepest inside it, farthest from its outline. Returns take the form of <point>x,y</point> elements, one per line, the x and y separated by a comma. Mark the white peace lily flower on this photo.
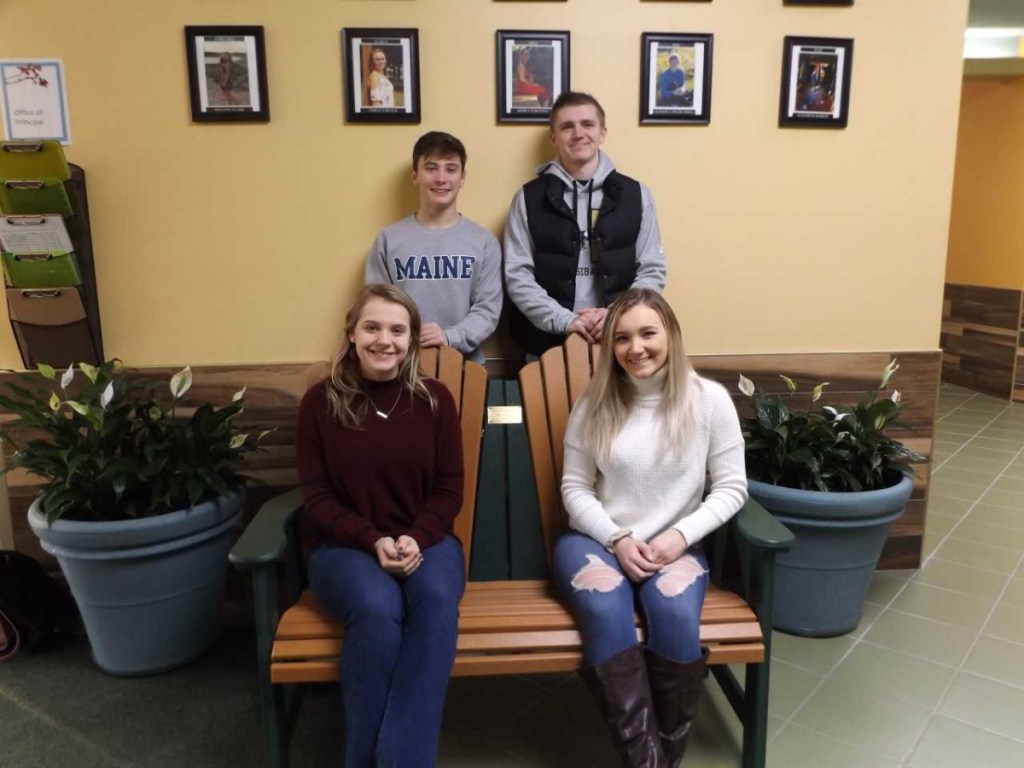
<point>789,382</point>
<point>239,395</point>
<point>836,415</point>
<point>746,386</point>
<point>181,381</point>
<point>67,377</point>
<point>816,393</point>
<point>107,396</point>
<point>896,396</point>
<point>890,369</point>
<point>238,440</point>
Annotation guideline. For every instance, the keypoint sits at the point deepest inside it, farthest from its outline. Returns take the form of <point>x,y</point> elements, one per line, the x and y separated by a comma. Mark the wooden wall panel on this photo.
<point>981,330</point>
<point>274,391</point>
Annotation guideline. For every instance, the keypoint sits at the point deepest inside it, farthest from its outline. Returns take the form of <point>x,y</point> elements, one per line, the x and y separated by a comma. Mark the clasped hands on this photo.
<point>641,559</point>
<point>399,557</point>
<point>589,323</point>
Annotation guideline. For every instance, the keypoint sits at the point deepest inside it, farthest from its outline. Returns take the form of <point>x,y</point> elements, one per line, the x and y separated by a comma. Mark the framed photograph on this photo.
<point>533,70</point>
<point>675,79</point>
<point>382,75</point>
<point>815,82</point>
<point>227,74</point>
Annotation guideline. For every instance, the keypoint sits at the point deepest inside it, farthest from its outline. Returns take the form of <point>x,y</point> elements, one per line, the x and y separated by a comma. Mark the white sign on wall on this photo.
<point>34,99</point>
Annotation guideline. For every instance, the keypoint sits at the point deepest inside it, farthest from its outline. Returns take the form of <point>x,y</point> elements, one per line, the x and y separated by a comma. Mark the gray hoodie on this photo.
<point>585,198</point>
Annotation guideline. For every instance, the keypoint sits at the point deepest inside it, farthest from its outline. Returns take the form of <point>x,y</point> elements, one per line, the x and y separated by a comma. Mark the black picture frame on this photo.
<point>816,76</point>
<point>375,92</point>
<point>232,86</point>
<point>532,70</point>
<point>689,102</point>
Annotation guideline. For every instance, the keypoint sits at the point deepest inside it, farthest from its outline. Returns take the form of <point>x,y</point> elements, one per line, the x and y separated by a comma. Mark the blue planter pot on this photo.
<point>149,590</point>
<point>821,582</point>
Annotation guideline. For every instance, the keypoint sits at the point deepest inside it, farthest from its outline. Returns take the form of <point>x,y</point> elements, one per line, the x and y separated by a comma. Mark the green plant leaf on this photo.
<point>789,383</point>
<point>46,371</point>
<point>91,372</point>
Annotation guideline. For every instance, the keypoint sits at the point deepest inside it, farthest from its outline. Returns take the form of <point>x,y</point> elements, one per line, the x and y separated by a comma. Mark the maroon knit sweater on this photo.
<point>394,476</point>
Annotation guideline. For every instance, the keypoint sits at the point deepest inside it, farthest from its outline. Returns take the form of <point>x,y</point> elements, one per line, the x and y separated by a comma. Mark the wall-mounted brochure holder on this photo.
<point>34,196</point>
<point>48,263</point>
<point>30,234</point>
<point>34,160</point>
<point>50,326</point>
<point>45,269</point>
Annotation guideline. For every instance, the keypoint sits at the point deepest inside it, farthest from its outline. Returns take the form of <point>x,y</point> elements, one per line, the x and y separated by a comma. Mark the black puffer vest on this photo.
<point>557,241</point>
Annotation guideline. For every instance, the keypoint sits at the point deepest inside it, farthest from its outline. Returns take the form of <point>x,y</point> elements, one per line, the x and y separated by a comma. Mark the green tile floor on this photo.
<point>932,678</point>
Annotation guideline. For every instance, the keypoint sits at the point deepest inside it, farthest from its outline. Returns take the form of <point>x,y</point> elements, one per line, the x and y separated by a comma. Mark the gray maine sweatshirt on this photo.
<point>532,300</point>
<point>453,275</point>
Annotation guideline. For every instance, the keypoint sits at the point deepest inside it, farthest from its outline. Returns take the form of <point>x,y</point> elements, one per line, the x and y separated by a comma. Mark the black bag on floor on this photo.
<point>34,609</point>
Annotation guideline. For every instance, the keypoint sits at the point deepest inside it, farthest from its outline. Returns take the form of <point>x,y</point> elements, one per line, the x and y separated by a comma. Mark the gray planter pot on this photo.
<point>149,590</point>
<point>821,582</point>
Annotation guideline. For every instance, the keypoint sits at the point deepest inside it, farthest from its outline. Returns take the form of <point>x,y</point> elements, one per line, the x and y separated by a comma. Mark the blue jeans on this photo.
<point>602,598</point>
<point>398,650</point>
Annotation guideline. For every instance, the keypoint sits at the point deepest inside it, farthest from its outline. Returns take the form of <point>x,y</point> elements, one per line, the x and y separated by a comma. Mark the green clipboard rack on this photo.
<point>34,160</point>
<point>51,295</point>
<point>45,269</point>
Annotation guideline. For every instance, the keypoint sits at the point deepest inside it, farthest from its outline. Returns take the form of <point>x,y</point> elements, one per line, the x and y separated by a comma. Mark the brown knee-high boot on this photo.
<point>675,690</point>
<point>619,686</point>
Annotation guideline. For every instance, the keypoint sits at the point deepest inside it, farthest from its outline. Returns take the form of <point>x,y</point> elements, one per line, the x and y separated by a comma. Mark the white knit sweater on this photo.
<point>642,489</point>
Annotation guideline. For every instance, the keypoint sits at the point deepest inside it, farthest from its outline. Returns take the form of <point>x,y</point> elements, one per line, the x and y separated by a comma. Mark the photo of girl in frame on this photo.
<point>381,75</point>
<point>532,72</point>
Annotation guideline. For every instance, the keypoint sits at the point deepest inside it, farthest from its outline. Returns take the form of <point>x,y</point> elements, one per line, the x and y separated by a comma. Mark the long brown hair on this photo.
<point>609,396</point>
<point>346,389</point>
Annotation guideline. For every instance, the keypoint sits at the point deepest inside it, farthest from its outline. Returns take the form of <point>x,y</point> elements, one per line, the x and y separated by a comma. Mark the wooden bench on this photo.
<point>505,627</point>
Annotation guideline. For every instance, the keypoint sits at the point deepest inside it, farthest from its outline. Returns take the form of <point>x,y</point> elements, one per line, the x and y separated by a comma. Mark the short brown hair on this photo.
<point>575,99</point>
<point>438,144</point>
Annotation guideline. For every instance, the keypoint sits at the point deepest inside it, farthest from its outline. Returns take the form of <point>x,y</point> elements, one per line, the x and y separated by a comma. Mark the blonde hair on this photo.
<point>609,396</point>
<point>347,396</point>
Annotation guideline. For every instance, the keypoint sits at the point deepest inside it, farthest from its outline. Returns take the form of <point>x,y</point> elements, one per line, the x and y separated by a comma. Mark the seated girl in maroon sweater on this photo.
<point>380,461</point>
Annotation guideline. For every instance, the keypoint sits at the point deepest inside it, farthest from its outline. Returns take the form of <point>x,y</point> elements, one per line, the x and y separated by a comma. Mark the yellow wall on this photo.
<point>986,233</point>
<point>219,244</point>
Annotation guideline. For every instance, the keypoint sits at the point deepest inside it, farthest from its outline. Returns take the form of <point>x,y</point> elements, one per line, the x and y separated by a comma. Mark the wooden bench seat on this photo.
<point>511,627</point>
<point>506,627</point>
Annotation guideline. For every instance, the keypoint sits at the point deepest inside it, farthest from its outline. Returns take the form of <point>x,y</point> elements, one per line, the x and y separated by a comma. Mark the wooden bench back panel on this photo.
<point>467,381</point>
<point>551,386</point>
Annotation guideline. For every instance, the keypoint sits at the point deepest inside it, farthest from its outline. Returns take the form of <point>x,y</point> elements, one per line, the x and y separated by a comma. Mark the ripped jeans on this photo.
<point>602,598</point>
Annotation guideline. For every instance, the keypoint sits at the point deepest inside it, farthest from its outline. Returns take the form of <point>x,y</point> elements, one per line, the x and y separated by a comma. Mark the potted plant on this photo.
<point>835,479</point>
<point>137,507</point>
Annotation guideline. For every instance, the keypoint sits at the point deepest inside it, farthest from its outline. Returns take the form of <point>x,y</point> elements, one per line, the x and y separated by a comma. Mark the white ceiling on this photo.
<point>997,13</point>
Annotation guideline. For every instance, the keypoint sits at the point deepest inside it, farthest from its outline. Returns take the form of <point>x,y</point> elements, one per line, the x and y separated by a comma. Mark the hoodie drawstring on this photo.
<point>585,235</point>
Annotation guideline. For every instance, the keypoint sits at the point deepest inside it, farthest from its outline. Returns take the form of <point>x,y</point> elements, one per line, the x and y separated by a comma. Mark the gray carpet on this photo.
<point>58,709</point>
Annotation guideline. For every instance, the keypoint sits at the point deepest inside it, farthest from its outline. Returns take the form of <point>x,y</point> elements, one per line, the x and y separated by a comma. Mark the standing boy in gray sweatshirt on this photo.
<point>450,266</point>
<point>577,235</point>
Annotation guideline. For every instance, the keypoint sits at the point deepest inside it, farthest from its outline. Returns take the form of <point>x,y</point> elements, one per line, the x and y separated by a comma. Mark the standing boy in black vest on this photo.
<point>577,235</point>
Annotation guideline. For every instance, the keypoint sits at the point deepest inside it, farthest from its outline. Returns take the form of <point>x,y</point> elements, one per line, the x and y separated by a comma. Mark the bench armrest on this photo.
<point>265,538</point>
<point>761,529</point>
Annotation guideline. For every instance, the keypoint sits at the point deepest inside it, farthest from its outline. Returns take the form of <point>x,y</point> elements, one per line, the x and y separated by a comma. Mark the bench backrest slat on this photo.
<point>467,381</point>
<point>551,386</point>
